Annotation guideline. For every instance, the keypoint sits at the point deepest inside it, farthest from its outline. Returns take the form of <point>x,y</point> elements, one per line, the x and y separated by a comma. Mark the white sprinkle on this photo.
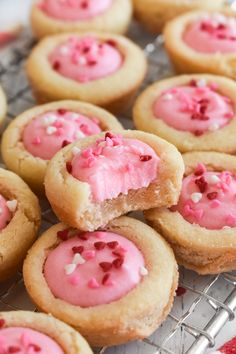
<point>64,50</point>
<point>143,271</point>
<point>75,150</point>
<point>196,197</point>
<point>213,179</point>
<point>49,119</point>
<point>201,83</point>
<point>51,130</point>
<point>74,116</point>
<point>168,97</point>
<point>226,227</point>
<point>78,259</point>
<point>79,134</point>
<point>82,61</point>
<point>12,204</point>
<point>219,18</point>
<point>213,127</point>
<point>70,268</point>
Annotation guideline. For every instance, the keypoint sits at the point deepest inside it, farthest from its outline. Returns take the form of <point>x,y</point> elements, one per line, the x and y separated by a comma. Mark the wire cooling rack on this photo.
<point>205,304</point>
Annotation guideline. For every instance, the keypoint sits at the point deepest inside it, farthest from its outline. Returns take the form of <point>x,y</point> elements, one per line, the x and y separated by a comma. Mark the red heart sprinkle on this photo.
<point>109,135</point>
<point>65,143</point>
<point>69,167</point>
<point>202,184</point>
<point>117,254</point>
<point>13,349</point>
<point>198,132</point>
<point>193,82</point>
<point>2,322</point>
<point>63,235</point>
<point>118,262</point>
<point>111,42</point>
<point>105,278</point>
<point>36,347</point>
<point>84,5</point>
<point>212,195</point>
<point>92,62</point>
<point>78,249</point>
<point>56,65</point>
<point>99,245</point>
<point>112,244</point>
<point>145,158</point>
<point>106,266</point>
<point>180,291</point>
<point>82,237</point>
<point>61,111</point>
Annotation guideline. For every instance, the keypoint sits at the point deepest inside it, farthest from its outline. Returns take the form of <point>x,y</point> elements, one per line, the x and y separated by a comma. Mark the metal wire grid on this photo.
<point>186,328</point>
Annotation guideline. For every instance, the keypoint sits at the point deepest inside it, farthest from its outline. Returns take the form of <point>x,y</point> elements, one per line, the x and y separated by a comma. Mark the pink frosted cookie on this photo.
<point>111,174</point>
<point>203,42</point>
<point>202,226</point>
<point>194,112</point>
<point>58,16</point>
<point>29,332</point>
<point>19,222</point>
<point>102,69</point>
<point>88,279</point>
<point>39,133</point>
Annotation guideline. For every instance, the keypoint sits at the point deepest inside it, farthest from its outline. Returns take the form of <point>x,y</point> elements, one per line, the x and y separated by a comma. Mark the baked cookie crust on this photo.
<point>154,14</point>
<point>114,92</point>
<point>221,140</point>
<point>71,198</point>
<point>137,314</point>
<point>18,236</point>
<point>202,250</point>
<point>32,169</point>
<point>185,59</point>
<point>70,340</point>
<point>115,19</point>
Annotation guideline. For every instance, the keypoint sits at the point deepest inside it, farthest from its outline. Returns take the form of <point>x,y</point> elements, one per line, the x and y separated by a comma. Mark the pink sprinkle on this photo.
<point>231,220</point>
<point>98,150</point>
<point>200,169</point>
<point>85,129</point>
<point>59,132</point>
<point>93,284</point>
<point>198,214</point>
<point>122,249</point>
<point>215,203</point>
<point>58,124</point>
<point>109,142</point>
<point>89,255</point>
<point>187,210</point>
<point>74,280</point>
<point>227,99</point>
<point>213,86</point>
<point>100,235</point>
<point>95,120</point>
<point>36,140</point>
<point>229,115</point>
<point>87,152</point>
<point>25,339</point>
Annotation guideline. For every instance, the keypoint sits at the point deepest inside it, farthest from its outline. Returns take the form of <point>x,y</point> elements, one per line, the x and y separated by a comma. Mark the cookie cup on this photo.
<point>114,92</point>
<point>18,236</point>
<point>69,340</point>
<point>222,140</point>
<point>72,201</point>
<point>115,19</point>
<point>202,250</point>
<point>137,314</point>
<point>32,169</point>
<point>187,60</point>
<point>153,14</point>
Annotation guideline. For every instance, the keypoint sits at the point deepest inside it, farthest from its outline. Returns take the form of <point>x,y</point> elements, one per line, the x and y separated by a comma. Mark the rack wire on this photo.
<point>187,329</point>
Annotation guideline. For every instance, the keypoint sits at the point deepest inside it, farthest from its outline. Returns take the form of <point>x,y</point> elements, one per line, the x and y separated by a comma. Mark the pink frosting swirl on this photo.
<point>208,199</point>
<point>93,268</point>
<point>5,212</point>
<point>26,341</point>
<point>115,165</point>
<point>74,10</point>
<point>196,108</point>
<point>215,33</point>
<point>86,59</point>
<point>47,133</point>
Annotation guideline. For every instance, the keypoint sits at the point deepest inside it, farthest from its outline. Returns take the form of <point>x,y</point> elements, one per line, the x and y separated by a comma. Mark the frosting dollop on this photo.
<point>209,199</point>
<point>22,340</point>
<point>212,34</point>
<point>196,108</point>
<point>86,59</point>
<point>115,165</point>
<point>93,268</point>
<point>7,208</point>
<point>74,10</point>
<point>47,133</point>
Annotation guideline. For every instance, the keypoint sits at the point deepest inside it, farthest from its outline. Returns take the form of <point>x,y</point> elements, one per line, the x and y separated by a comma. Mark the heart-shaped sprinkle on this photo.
<point>106,266</point>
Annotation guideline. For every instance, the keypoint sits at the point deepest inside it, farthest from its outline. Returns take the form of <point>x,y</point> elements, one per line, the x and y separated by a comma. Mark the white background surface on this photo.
<point>10,12</point>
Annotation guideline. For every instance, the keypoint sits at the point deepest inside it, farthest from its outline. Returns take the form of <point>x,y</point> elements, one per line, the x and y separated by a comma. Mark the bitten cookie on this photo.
<point>201,228</point>
<point>154,14</point>
<point>19,222</point>
<point>203,42</point>
<point>103,69</point>
<point>56,16</point>
<point>193,112</point>
<point>30,332</point>
<point>102,177</point>
<point>113,286</point>
<point>34,137</point>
